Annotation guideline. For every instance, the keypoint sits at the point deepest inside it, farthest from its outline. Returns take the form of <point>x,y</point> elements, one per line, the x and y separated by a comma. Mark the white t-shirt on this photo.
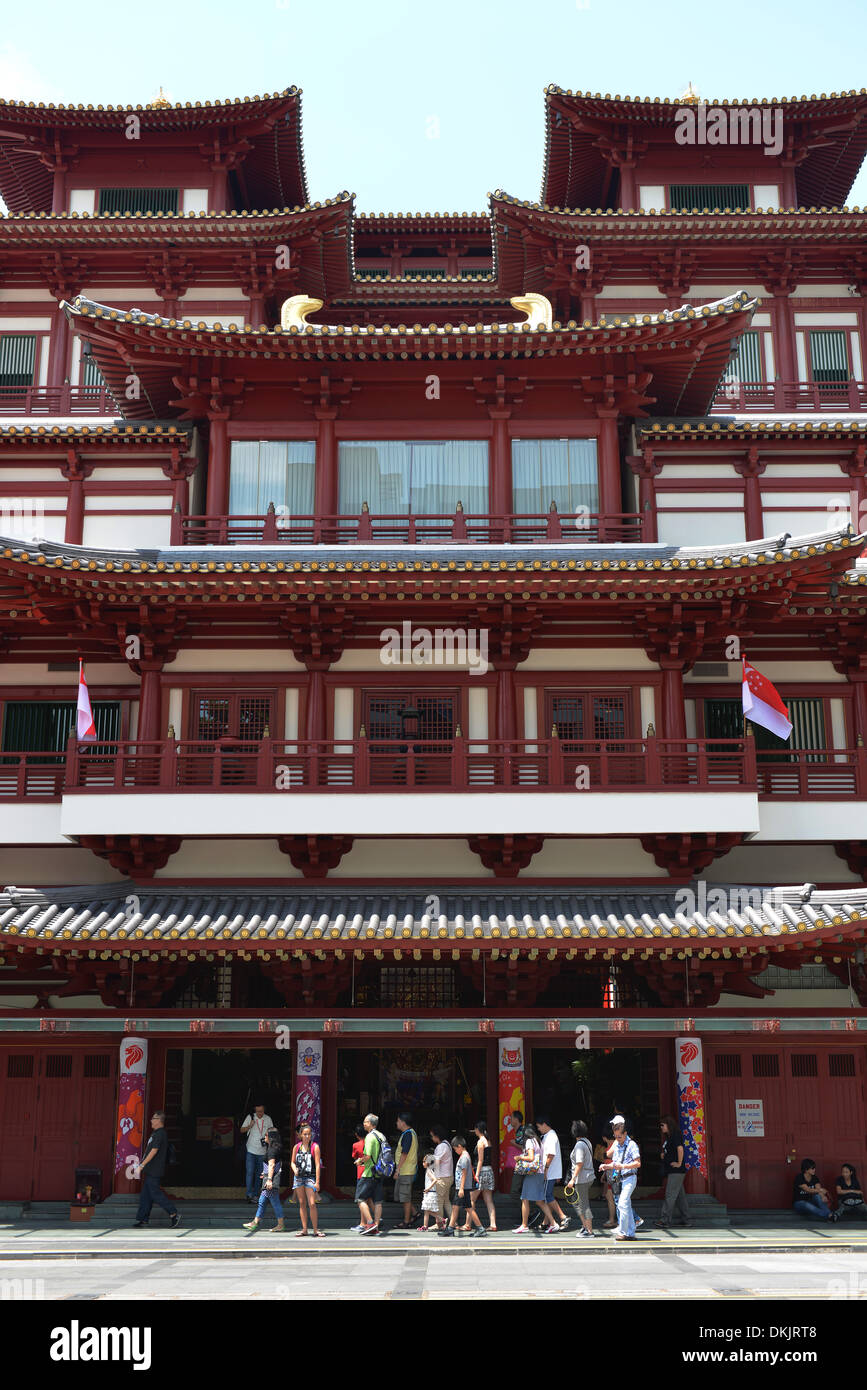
<point>257,1134</point>
<point>551,1145</point>
<point>444,1160</point>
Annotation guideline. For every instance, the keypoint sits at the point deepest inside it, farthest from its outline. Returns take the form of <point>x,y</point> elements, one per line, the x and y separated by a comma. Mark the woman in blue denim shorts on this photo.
<point>306,1169</point>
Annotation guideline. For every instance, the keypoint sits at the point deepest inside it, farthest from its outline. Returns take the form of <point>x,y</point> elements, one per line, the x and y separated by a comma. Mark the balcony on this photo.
<point>443,528</point>
<point>56,400</point>
<point>785,396</point>
<point>369,786</point>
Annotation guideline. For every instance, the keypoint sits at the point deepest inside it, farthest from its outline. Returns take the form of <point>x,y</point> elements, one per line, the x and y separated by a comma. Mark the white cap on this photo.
<point>617,1120</point>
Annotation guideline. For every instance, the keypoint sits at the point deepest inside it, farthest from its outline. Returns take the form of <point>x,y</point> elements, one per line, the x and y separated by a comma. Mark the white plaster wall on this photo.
<point>436,861</point>
<point>701,527</point>
<point>647,696</point>
<point>597,858</point>
<point>630,292</point>
<point>30,868</point>
<point>478,712</point>
<point>216,659</point>
<point>98,673</point>
<point>108,532</point>
<point>780,864</point>
<point>531,712</point>
<point>790,999</point>
<point>229,859</point>
<point>821,318</point>
<point>343,707</point>
<point>290,717</point>
<point>820,292</point>
<point>35,475</point>
<point>586,659</point>
<point>810,468</point>
<point>34,296</point>
<point>176,708</point>
<point>699,469</point>
<point>766,196</point>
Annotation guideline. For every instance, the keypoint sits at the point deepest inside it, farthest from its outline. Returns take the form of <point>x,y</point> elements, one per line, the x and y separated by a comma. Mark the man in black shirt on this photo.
<point>809,1197</point>
<point>155,1159</point>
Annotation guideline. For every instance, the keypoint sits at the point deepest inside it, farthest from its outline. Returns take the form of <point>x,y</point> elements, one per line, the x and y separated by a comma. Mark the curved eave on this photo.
<point>805,558</point>
<point>125,340</point>
<point>273,166</point>
<point>660,431</point>
<point>97,920</point>
<point>574,167</point>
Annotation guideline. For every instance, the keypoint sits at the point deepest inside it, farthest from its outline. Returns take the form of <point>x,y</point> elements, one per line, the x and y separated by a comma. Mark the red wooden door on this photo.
<point>57,1113</point>
<point>813,1103</point>
<point>18,1099</point>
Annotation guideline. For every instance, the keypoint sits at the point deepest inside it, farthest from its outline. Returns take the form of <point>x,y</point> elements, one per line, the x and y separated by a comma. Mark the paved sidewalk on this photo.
<point>21,1241</point>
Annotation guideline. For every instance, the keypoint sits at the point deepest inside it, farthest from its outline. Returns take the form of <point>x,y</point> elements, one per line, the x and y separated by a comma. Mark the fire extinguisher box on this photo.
<point>81,1213</point>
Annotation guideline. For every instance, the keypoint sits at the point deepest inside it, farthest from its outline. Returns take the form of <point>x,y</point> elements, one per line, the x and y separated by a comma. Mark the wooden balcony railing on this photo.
<point>827,774</point>
<point>735,399</point>
<point>374,765</point>
<point>56,400</point>
<point>443,528</point>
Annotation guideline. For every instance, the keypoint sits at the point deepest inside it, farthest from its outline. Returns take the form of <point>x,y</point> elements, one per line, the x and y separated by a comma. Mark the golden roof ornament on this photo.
<point>159,102</point>
<point>690,97</point>
<point>539,311</point>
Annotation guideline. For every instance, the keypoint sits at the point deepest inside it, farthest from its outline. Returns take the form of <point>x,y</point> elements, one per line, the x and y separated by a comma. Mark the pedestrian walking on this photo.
<point>464,1184</point>
<point>809,1197</point>
<point>430,1204</point>
<point>368,1189</point>
<point>623,1167</point>
<point>306,1166</point>
<point>484,1173</point>
<point>272,1168</point>
<point>406,1156</point>
<point>255,1128</point>
<point>850,1198</point>
<point>533,1185</point>
<point>601,1152</point>
<point>443,1168</point>
<point>673,1158</point>
<point>582,1177</point>
<point>552,1169</point>
<point>156,1156</point>
<point>516,1148</point>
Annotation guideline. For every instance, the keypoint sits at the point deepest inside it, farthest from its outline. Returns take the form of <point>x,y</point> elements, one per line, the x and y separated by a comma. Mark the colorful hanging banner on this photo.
<point>308,1088</point>
<point>511,1096</point>
<point>690,1101</point>
<point>131,1102</point>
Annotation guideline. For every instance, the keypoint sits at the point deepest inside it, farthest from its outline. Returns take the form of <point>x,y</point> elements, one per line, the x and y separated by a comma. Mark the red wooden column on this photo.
<point>858,681</point>
<point>646,469</point>
<point>751,468</point>
<point>326,487</point>
<point>58,187</point>
<point>609,466</point>
<point>75,472</point>
<point>855,467</point>
<point>500,488</point>
<point>784,339</point>
<point>58,350</point>
<point>328,1113</point>
<point>217,497</point>
<point>673,709</point>
<point>506,709</point>
<point>149,723</point>
<point>315,724</point>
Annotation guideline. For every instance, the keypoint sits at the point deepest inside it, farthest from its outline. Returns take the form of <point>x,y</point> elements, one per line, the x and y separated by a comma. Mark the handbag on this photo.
<point>528,1166</point>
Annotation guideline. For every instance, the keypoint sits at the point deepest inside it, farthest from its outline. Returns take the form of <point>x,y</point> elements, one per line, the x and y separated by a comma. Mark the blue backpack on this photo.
<point>385,1165</point>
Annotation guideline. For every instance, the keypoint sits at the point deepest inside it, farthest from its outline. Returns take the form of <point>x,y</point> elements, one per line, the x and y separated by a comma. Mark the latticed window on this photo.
<point>587,715</point>
<point>243,716</point>
<point>132,200</point>
<point>697,197</point>
<point>803,977</point>
<point>404,715</point>
<point>417,987</point>
<point>746,362</point>
<point>17,359</point>
<point>91,377</point>
<point>43,726</point>
<point>829,356</point>
<point>724,719</point>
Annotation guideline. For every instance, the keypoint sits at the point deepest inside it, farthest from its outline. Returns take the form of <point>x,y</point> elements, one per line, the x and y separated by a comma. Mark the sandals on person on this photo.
<point>404,1225</point>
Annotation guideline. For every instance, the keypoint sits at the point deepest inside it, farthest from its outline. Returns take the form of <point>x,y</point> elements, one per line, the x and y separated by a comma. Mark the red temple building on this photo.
<point>412,558</point>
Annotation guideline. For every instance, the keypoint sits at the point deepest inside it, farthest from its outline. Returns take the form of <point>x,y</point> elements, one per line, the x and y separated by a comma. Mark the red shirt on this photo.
<point>358,1156</point>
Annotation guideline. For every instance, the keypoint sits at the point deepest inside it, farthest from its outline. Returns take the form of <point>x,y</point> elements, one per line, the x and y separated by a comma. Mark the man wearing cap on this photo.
<point>624,1164</point>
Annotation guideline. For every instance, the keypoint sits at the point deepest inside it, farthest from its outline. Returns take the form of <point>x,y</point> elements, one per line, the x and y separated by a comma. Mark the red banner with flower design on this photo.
<point>131,1103</point>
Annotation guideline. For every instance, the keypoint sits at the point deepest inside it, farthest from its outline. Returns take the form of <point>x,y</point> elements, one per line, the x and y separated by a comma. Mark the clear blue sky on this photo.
<point>428,106</point>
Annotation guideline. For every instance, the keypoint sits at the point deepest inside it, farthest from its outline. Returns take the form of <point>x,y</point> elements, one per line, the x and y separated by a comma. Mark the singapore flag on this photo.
<point>762,703</point>
<point>86,727</point>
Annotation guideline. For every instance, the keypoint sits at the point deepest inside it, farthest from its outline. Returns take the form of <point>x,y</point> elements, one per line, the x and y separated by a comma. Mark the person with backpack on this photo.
<point>464,1184</point>
<point>307,1170</point>
<point>378,1157</point>
<point>533,1186</point>
<point>443,1170</point>
<point>272,1167</point>
<point>582,1177</point>
<point>405,1171</point>
<point>156,1157</point>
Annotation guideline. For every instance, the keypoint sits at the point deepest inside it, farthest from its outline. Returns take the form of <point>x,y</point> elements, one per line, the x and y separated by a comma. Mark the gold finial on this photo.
<point>159,102</point>
<point>458,733</point>
<point>554,733</point>
<point>294,312</point>
<point>651,732</point>
<point>266,732</point>
<point>171,732</point>
<point>362,732</point>
<point>690,96</point>
<point>748,729</point>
